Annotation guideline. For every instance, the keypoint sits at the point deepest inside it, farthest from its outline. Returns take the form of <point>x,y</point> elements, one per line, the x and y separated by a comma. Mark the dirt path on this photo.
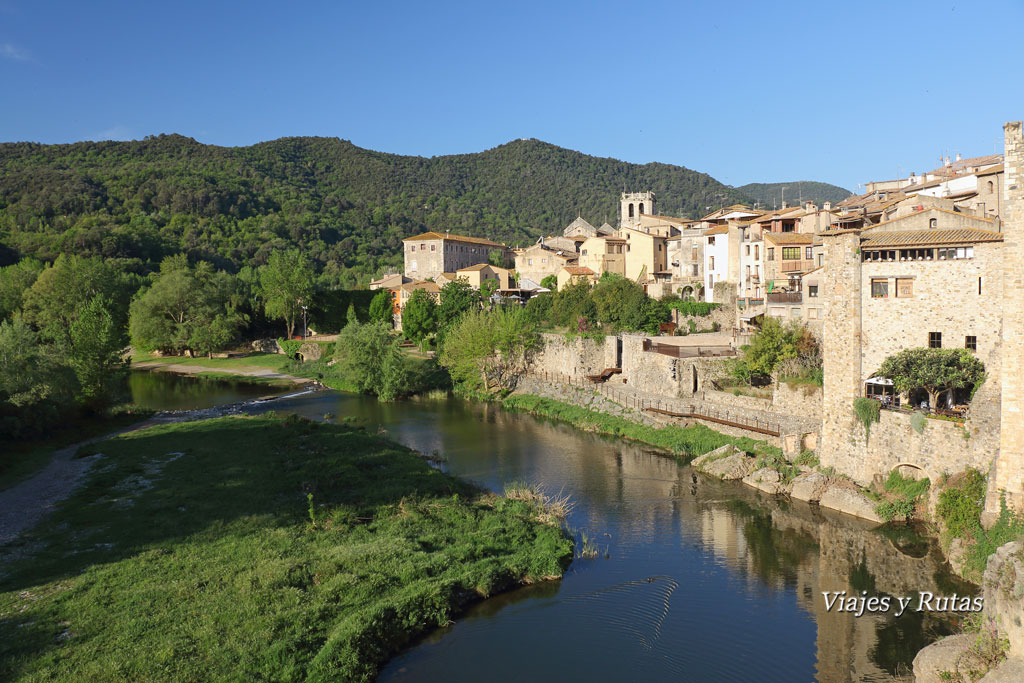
<point>23,505</point>
<point>264,373</point>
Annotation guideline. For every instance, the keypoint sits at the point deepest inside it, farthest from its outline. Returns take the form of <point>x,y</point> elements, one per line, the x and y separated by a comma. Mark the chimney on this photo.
<point>958,157</point>
<point>827,206</point>
<point>785,205</point>
<point>946,161</point>
<point>980,208</point>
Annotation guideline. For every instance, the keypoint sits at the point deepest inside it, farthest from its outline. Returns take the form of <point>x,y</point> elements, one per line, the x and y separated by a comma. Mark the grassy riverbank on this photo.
<point>192,553</point>
<point>683,441</point>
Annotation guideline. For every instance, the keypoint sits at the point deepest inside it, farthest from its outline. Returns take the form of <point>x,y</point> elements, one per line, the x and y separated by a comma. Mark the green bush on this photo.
<point>290,346</point>
<point>904,492</point>
<point>687,308</point>
<point>867,411</point>
<point>960,506</point>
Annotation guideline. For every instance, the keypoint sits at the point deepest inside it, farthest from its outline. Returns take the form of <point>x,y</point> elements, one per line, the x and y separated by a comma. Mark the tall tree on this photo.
<point>99,344</point>
<point>286,284</point>
<point>14,282</point>
<point>380,308</point>
<point>419,317</point>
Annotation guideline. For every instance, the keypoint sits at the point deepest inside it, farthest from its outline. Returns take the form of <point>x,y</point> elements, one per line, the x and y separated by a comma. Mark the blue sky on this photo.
<point>747,92</point>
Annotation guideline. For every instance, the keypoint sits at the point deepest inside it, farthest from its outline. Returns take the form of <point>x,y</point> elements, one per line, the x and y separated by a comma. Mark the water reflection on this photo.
<point>171,391</point>
<point>704,580</point>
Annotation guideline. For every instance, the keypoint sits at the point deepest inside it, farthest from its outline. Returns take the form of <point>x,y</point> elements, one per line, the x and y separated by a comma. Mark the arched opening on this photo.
<point>694,368</point>
<point>686,292</point>
<point>641,207</point>
<point>630,210</point>
<point>299,357</point>
<point>990,187</point>
<point>909,470</point>
<point>933,222</point>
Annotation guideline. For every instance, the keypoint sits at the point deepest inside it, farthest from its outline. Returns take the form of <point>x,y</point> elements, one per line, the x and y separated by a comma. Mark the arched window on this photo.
<point>990,186</point>
<point>933,222</point>
<point>630,210</point>
<point>641,208</point>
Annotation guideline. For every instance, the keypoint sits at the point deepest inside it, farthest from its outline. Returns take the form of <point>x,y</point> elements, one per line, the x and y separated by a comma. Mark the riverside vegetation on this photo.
<point>261,547</point>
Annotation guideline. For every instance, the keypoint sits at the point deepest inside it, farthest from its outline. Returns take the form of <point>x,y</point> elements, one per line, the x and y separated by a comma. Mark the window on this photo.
<point>771,254</point>
<point>990,187</point>
<point>879,289</point>
<point>794,313</point>
<point>712,262</point>
<point>543,260</point>
<point>693,253</point>
<point>821,259</point>
<point>711,281</point>
<point>757,252</point>
<point>659,247</point>
<point>812,290</point>
<point>695,268</point>
<point>979,286</point>
<point>933,222</point>
<point>414,264</point>
<point>584,252</point>
<point>971,343</point>
<point>530,261</point>
<point>748,250</point>
<point>809,253</point>
<point>934,340</point>
<point>630,210</point>
<point>904,288</point>
<point>791,253</point>
<point>812,313</point>
<point>711,241</point>
<point>433,247</point>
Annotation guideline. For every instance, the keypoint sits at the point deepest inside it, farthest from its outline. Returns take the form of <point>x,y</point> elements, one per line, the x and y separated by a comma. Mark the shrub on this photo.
<point>867,411</point>
<point>917,421</point>
<point>961,504</point>
<point>904,494</point>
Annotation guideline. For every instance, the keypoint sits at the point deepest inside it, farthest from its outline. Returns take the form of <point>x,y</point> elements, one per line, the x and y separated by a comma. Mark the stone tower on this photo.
<point>632,205</point>
<point>841,350</point>
<point>1008,473</point>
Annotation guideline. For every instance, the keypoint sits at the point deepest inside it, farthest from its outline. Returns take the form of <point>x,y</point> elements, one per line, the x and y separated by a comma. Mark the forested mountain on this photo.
<point>346,207</point>
<point>769,195</point>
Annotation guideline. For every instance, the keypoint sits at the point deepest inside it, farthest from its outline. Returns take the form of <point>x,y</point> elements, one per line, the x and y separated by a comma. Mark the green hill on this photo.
<point>347,207</point>
<point>769,195</point>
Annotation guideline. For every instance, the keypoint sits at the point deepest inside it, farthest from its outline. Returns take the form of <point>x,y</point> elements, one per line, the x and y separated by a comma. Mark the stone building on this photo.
<point>935,278</point>
<point>632,205</point>
<point>541,260</point>
<point>477,274</point>
<point>604,255</point>
<point>646,256</point>
<point>571,275</point>
<point>787,256</point>
<point>432,253</point>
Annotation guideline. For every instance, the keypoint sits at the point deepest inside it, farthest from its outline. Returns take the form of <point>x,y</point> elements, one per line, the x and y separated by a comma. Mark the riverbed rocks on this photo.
<point>1003,586</point>
<point>727,462</point>
<point>850,501</point>
<point>809,486</point>
<point>949,659</point>
<point>767,480</point>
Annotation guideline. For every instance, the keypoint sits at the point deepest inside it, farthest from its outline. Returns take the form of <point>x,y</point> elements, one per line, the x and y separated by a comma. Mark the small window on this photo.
<point>530,261</point>
<point>971,342</point>
<point>748,250</point>
<point>879,289</point>
<point>771,253</point>
<point>812,290</point>
<point>757,252</point>
<point>991,187</point>
<point>711,241</point>
<point>433,247</point>
<point>933,222</point>
<point>695,269</point>
<point>904,288</point>
<point>979,286</point>
<point>812,313</point>
<point>809,253</point>
<point>934,340</point>
<point>712,262</point>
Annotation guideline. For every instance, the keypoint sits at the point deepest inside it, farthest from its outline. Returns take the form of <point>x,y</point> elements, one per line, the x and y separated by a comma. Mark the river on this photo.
<point>695,579</point>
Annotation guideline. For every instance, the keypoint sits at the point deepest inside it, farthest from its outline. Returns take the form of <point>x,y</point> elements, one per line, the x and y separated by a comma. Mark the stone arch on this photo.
<point>686,292</point>
<point>631,210</point>
<point>695,378</point>
<point>909,469</point>
<point>641,207</point>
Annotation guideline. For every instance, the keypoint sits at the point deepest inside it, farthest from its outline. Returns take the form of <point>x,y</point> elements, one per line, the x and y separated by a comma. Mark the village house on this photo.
<point>389,281</point>
<point>540,260</point>
<point>432,253</point>
<point>571,275</point>
<point>604,255</point>
<point>480,273</point>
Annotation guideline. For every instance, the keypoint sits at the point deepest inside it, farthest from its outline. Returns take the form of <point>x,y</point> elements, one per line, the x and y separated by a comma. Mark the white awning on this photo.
<point>879,380</point>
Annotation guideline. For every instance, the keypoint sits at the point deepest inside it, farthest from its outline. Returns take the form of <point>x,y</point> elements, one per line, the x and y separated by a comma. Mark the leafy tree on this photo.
<point>26,369</point>
<point>934,370</point>
<point>185,308</point>
<point>550,282</point>
<point>286,285</point>
<point>62,292</point>
<point>496,257</point>
<point>573,303</point>
<point>350,316</point>
<point>772,344</point>
<point>487,288</point>
<point>457,298</point>
<point>486,351</point>
<point>368,356</point>
<point>381,307</point>
<point>14,281</point>
<point>99,344</point>
<point>419,317</point>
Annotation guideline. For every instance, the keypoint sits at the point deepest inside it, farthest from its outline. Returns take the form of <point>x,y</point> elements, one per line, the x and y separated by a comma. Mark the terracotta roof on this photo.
<point>481,266</point>
<point>790,237</point>
<point>453,238</point>
<point>989,171</point>
<point>422,284</point>
<point>671,219</point>
<point>718,230</point>
<point>579,222</point>
<point>913,238</point>
<point>964,164</point>
<point>579,270</point>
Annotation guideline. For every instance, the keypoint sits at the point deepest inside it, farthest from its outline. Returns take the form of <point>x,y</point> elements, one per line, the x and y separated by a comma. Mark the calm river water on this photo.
<point>697,579</point>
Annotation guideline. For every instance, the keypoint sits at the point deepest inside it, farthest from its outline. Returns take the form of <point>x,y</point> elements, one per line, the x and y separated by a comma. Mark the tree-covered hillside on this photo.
<point>769,195</point>
<point>347,208</point>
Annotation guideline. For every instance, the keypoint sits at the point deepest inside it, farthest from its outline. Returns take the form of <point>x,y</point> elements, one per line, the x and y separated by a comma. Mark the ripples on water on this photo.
<point>703,580</point>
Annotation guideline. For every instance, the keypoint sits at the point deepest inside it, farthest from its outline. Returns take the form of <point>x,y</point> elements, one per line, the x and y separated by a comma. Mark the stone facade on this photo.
<point>604,255</point>
<point>432,253</point>
<point>539,261</point>
<point>631,205</point>
<point>1009,470</point>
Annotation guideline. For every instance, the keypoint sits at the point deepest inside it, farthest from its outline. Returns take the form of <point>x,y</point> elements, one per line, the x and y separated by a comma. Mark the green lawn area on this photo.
<point>190,554</point>
<point>255,361</point>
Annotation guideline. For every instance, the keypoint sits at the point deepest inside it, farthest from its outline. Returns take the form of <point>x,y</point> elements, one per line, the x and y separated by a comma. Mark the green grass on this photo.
<point>902,495</point>
<point>189,554</point>
<point>255,361</point>
<point>18,461</point>
<point>683,441</point>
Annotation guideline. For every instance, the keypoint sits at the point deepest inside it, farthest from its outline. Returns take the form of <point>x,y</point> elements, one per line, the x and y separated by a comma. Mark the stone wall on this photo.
<point>1008,474</point>
<point>892,442</point>
<point>575,358</point>
<point>797,400</point>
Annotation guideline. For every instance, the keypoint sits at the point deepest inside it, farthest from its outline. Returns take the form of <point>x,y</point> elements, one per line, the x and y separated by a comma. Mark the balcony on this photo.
<point>799,266</point>
<point>785,297</point>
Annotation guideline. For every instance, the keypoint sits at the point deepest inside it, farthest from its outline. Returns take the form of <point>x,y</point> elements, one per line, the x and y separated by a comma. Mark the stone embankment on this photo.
<point>974,656</point>
<point>730,463</point>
